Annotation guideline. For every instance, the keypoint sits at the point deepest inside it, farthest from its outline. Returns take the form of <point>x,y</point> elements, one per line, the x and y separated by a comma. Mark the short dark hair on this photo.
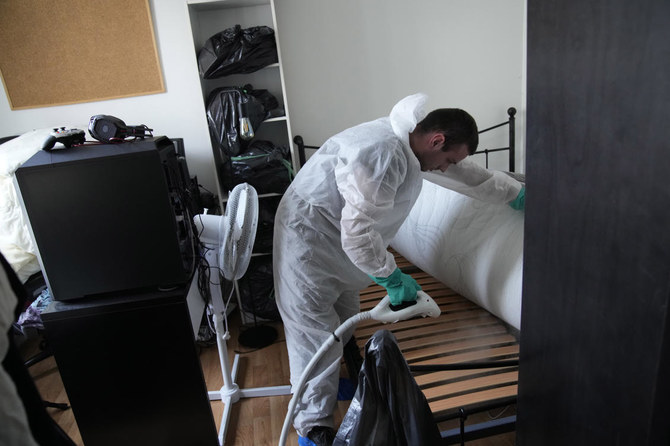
<point>457,126</point>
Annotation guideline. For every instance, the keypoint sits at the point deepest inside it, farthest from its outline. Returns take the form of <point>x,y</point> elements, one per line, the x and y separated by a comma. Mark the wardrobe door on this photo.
<point>594,335</point>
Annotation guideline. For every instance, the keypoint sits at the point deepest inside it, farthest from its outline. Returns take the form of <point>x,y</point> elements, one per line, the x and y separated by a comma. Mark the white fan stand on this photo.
<point>209,228</point>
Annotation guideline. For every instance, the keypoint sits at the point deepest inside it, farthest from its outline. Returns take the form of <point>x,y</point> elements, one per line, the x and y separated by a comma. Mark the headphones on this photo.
<point>108,129</point>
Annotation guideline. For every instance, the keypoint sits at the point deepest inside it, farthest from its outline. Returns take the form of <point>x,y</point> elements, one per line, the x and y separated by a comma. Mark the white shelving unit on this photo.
<point>208,18</point>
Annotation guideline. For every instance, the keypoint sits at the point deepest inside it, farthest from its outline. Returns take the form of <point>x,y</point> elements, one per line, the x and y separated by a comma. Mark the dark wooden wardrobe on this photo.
<point>595,334</point>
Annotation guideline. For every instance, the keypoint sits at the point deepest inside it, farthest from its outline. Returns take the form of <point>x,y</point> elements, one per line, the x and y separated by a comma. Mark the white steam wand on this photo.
<point>425,306</point>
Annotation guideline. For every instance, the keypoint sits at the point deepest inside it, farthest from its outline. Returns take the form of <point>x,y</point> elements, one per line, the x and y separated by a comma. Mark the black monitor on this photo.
<point>109,217</point>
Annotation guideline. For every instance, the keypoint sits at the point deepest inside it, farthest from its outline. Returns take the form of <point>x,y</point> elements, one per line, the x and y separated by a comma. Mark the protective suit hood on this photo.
<point>406,114</point>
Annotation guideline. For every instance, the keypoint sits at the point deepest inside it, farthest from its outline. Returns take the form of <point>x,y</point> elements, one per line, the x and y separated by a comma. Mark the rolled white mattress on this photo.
<point>473,247</point>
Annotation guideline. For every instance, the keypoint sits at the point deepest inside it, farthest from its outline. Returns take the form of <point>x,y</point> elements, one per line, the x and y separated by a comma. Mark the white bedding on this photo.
<point>475,248</point>
<point>16,243</point>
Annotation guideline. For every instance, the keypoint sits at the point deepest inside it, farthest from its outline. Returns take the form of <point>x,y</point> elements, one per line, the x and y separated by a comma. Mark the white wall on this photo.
<point>349,61</point>
<point>345,62</point>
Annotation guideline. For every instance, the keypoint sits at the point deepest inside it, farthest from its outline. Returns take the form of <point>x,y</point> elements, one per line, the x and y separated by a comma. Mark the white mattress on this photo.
<point>473,247</point>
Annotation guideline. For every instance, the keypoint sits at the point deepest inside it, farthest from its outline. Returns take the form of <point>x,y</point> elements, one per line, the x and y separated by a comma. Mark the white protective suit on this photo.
<point>332,229</point>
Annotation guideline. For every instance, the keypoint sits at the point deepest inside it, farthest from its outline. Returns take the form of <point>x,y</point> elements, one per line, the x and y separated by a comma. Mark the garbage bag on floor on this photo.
<point>388,407</point>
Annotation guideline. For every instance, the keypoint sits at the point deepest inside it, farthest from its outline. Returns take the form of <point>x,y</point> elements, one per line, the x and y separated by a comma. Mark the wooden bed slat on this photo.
<point>428,380</point>
<point>437,339</point>
<point>445,324</point>
<point>445,350</point>
<point>463,387</point>
<point>507,352</point>
<point>442,407</point>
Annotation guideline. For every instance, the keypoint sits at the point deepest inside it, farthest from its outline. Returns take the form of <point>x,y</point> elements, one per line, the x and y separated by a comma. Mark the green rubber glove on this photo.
<point>400,286</point>
<point>520,201</point>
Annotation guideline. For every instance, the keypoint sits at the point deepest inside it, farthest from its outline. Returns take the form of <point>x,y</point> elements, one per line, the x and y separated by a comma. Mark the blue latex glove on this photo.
<point>400,287</point>
<point>520,201</point>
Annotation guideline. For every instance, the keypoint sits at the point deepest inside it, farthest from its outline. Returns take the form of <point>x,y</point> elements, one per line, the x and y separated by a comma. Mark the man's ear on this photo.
<point>437,140</point>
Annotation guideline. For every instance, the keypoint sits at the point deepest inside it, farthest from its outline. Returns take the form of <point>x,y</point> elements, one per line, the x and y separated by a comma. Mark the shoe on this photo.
<point>318,436</point>
<point>304,441</point>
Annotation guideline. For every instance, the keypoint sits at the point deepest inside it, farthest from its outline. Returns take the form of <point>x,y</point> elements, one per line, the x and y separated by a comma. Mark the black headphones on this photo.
<point>108,129</point>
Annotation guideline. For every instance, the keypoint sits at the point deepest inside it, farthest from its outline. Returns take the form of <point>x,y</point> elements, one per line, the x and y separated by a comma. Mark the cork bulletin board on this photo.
<point>56,52</point>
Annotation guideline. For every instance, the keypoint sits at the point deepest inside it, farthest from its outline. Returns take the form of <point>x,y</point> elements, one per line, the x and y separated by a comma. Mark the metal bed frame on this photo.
<point>511,121</point>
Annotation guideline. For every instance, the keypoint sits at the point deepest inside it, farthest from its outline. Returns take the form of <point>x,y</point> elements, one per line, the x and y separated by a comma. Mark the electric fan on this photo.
<point>227,241</point>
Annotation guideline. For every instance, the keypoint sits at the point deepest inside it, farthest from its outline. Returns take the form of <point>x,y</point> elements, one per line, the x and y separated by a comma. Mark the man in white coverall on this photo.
<point>336,220</point>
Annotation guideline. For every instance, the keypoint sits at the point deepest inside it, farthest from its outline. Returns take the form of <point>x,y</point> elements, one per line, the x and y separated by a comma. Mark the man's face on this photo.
<point>434,158</point>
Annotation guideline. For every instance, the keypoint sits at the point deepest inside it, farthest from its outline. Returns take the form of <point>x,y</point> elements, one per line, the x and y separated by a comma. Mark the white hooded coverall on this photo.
<point>332,229</point>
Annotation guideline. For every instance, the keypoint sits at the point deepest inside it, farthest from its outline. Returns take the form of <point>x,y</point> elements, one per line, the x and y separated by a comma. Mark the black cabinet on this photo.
<point>109,217</point>
<point>131,369</point>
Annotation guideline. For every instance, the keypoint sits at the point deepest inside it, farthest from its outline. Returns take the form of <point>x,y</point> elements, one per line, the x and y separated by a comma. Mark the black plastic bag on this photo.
<point>237,50</point>
<point>265,166</point>
<point>388,407</point>
<point>223,117</point>
<point>267,100</point>
<point>257,289</point>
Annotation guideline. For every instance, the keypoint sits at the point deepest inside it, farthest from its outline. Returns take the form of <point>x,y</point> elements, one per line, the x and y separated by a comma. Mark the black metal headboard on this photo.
<point>510,122</point>
<point>301,148</point>
<point>511,148</point>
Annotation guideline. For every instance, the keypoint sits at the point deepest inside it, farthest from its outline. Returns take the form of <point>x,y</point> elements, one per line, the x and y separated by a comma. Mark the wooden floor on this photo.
<point>464,332</point>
